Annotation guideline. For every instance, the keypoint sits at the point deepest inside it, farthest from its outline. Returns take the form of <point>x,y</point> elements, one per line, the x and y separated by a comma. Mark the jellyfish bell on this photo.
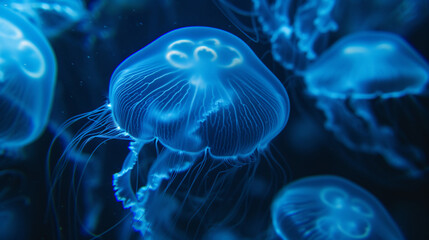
<point>367,65</point>
<point>330,207</point>
<point>27,80</point>
<point>190,82</point>
<point>355,73</point>
<point>52,17</point>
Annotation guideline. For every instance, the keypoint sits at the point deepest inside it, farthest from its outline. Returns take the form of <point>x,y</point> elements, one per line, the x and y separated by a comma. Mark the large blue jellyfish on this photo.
<point>52,17</point>
<point>197,91</point>
<point>330,207</point>
<point>297,31</point>
<point>27,80</point>
<point>358,70</point>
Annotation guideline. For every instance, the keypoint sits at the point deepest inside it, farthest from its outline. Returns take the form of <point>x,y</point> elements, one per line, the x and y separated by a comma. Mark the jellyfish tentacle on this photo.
<point>121,180</point>
<point>124,191</point>
<point>168,161</point>
<point>397,154</point>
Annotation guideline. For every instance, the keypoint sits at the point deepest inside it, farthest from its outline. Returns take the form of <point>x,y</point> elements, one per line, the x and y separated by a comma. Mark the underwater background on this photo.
<point>44,195</point>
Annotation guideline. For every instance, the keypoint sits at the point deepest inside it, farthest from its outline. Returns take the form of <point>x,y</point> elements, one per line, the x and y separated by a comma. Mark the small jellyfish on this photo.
<point>297,31</point>
<point>52,17</point>
<point>312,20</point>
<point>358,70</point>
<point>27,80</point>
<point>330,207</point>
<point>199,92</point>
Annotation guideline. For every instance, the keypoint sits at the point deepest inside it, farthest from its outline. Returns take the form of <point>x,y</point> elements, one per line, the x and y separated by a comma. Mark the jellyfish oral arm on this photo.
<point>167,162</point>
<point>121,180</point>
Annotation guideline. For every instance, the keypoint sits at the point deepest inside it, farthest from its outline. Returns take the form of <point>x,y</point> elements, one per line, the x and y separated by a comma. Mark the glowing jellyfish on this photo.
<point>27,80</point>
<point>198,91</point>
<point>296,30</point>
<point>351,74</point>
<point>52,17</point>
<point>330,207</point>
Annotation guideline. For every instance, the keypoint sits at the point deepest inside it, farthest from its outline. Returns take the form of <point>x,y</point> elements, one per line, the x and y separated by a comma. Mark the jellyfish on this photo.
<point>52,17</point>
<point>192,90</point>
<point>198,92</point>
<point>299,30</point>
<point>354,73</point>
<point>296,31</point>
<point>27,81</point>
<point>311,21</point>
<point>330,207</point>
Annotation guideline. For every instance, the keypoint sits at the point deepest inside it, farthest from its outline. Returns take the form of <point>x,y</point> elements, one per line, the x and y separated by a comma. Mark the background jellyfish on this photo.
<point>84,74</point>
<point>330,207</point>
<point>363,67</point>
<point>27,80</point>
<point>310,22</point>
<point>297,30</point>
<point>198,91</point>
<point>52,17</point>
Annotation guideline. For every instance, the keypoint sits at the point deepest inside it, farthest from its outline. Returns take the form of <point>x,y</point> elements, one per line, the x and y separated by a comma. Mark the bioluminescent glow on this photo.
<point>52,17</point>
<point>296,30</point>
<point>367,65</point>
<point>357,69</point>
<point>199,92</point>
<point>27,80</point>
<point>330,207</point>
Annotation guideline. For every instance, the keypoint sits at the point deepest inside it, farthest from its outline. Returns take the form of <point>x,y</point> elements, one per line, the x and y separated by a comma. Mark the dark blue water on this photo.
<point>46,196</point>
